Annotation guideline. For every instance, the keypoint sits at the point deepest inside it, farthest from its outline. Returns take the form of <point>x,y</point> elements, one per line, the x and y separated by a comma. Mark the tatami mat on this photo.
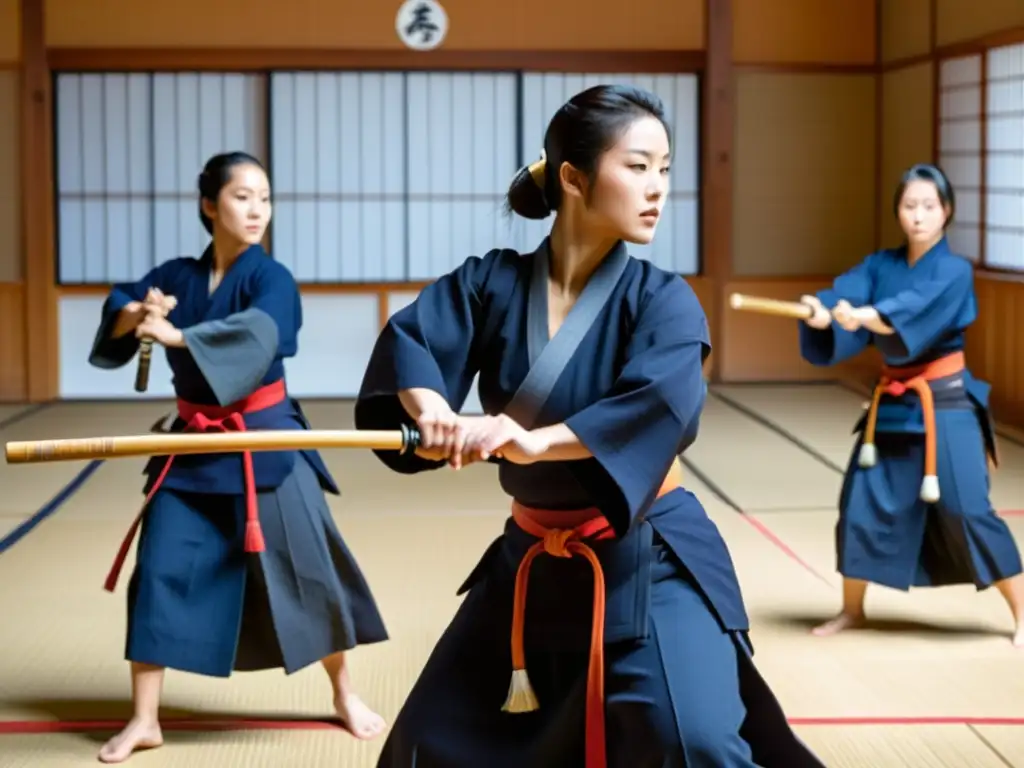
<point>821,419</point>
<point>10,412</point>
<point>938,653</point>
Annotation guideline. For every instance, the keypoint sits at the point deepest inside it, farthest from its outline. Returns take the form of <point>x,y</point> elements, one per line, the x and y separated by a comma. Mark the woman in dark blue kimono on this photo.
<point>633,653</point>
<point>240,565</point>
<point>914,510</point>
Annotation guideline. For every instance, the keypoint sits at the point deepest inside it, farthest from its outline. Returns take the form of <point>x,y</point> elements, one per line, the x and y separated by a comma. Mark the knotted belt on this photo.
<point>896,382</point>
<point>587,525</point>
<point>210,418</point>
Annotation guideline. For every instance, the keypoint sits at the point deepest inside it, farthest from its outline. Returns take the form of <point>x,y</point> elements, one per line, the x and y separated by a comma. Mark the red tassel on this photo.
<point>254,536</point>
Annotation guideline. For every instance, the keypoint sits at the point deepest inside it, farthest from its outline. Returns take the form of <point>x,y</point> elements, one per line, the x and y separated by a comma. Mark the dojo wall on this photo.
<point>804,167</point>
<point>51,324</point>
<point>810,110</point>
<point>12,312</point>
<point>917,37</point>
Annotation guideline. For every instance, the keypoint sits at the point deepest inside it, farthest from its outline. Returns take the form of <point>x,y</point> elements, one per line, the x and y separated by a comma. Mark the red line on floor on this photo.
<point>767,532</point>
<point>28,727</point>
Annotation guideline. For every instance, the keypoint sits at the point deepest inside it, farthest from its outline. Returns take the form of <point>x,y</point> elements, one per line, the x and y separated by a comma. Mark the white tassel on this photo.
<point>930,489</point>
<point>868,455</point>
<point>521,697</point>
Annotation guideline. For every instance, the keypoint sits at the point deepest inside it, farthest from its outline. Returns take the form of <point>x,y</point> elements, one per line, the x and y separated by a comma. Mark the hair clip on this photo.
<point>537,169</point>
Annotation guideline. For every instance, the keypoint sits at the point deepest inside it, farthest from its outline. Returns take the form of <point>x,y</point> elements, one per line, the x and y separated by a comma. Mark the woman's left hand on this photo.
<point>501,436</point>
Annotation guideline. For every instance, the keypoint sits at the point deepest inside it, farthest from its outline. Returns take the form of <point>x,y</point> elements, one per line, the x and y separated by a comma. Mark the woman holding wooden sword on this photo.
<point>240,565</point>
<point>914,509</point>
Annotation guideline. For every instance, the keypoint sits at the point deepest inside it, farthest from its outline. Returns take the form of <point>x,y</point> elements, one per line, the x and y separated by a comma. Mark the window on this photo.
<point>389,176</point>
<point>401,176</point>
<point>1004,158</point>
<point>960,148</point>
<point>378,176</point>
<point>130,148</point>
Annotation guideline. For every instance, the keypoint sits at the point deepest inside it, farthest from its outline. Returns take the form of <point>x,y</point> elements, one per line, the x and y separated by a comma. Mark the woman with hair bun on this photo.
<point>632,649</point>
<point>914,510</point>
<point>240,565</point>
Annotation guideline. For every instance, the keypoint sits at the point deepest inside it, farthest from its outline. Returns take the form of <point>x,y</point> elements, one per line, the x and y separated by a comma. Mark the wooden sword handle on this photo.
<point>794,309</point>
<point>142,372</point>
<point>146,352</point>
<point>404,440</point>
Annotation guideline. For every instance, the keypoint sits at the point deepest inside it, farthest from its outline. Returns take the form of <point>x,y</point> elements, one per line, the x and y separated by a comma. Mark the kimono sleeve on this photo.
<point>936,303</point>
<point>235,353</point>
<point>110,353</point>
<point>429,344</point>
<point>650,415</point>
<point>833,345</point>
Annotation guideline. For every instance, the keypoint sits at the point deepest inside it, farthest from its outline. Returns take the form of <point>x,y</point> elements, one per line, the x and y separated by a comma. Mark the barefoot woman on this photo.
<point>914,509</point>
<point>240,566</point>
<point>590,368</point>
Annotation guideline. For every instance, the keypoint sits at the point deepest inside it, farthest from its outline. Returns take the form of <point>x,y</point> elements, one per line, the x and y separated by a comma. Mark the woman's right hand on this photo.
<point>822,318</point>
<point>439,433</point>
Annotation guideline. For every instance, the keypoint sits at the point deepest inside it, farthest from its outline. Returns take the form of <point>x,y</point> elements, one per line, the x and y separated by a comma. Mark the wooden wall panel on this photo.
<point>351,24</point>
<point>761,348</point>
<point>994,343</point>
<point>11,267</point>
<point>704,287</point>
<point>907,136</point>
<point>961,20</point>
<point>13,387</point>
<point>10,24</point>
<point>804,31</point>
<point>804,185</point>
<point>905,29</point>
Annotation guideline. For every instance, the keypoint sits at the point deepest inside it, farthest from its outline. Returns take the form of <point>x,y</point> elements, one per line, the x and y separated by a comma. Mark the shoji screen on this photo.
<point>389,176</point>
<point>676,245</point>
<point>1004,158</point>
<point>960,147</point>
<point>130,148</point>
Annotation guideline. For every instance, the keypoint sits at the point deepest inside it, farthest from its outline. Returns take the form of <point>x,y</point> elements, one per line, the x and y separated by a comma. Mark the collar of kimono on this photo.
<point>586,524</point>
<point>895,382</point>
<point>210,418</point>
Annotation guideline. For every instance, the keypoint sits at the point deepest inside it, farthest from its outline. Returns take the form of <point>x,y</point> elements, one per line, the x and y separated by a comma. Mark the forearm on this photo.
<point>418,401</point>
<point>176,340</point>
<point>562,444</point>
<point>872,321</point>
<point>128,320</point>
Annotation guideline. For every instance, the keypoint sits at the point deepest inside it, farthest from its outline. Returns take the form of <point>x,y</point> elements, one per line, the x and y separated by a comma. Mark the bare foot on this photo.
<point>357,718</point>
<point>1018,636</point>
<point>838,624</point>
<point>138,734</point>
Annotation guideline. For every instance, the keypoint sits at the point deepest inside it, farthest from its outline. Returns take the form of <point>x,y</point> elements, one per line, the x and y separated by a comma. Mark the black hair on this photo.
<point>582,130</point>
<point>216,175</point>
<point>934,174</point>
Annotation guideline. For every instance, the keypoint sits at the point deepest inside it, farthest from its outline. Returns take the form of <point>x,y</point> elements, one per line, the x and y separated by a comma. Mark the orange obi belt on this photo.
<point>584,524</point>
<point>896,381</point>
<point>212,418</point>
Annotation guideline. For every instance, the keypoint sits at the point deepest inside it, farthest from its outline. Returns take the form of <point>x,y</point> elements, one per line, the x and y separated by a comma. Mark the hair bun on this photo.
<point>525,195</point>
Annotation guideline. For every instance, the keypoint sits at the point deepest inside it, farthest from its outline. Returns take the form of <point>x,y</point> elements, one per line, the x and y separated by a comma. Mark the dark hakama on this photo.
<point>197,601</point>
<point>886,534</point>
<point>681,688</point>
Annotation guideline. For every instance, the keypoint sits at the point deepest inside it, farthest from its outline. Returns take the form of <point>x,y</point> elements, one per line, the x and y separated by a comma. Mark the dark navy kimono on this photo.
<point>886,534</point>
<point>196,600</point>
<point>680,686</point>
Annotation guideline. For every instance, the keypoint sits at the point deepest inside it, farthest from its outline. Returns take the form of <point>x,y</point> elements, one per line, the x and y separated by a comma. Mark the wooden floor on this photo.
<point>934,682</point>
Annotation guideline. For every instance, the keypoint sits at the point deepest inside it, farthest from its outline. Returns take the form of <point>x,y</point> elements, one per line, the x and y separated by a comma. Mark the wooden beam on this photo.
<point>718,108</point>
<point>41,342</point>
<point>309,59</point>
